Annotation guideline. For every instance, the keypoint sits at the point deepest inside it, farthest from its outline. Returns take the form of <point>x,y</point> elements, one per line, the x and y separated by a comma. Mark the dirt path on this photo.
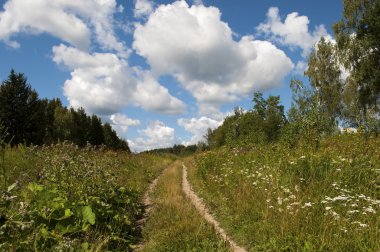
<point>200,206</point>
<point>147,201</point>
<point>148,206</point>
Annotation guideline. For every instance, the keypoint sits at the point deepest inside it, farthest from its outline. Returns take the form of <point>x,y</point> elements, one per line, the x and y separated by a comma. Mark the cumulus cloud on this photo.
<point>103,83</point>
<point>293,32</point>
<point>122,122</point>
<point>72,21</point>
<point>300,68</point>
<point>143,8</point>
<point>155,135</point>
<point>198,127</point>
<point>195,46</point>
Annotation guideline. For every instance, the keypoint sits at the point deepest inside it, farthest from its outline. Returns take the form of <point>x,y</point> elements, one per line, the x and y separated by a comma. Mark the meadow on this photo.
<point>275,198</point>
<point>267,197</point>
<point>63,198</point>
<point>174,224</point>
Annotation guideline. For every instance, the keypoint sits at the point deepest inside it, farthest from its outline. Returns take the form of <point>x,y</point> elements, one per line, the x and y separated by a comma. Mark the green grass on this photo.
<point>271,198</point>
<point>65,198</point>
<point>174,224</point>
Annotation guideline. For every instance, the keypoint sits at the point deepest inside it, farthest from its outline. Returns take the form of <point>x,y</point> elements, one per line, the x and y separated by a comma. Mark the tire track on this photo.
<point>147,206</point>
<point>201,207</point>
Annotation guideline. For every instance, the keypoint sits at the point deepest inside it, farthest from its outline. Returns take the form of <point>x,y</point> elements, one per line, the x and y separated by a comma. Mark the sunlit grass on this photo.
<point>273,198</point>
<point>63,198</point>
<point>175,225</point>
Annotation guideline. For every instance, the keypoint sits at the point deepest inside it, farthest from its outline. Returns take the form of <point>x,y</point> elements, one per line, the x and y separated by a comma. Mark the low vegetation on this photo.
<point>175,225</point>
<point>272,198</point>
<point>63,198</point>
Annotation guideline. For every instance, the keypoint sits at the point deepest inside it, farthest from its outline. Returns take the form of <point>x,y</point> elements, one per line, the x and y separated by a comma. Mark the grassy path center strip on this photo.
<point>173,223</point>
<point>200,206</point>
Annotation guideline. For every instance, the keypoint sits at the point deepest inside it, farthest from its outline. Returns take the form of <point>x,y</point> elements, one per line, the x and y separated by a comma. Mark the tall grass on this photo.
<point>275,199</point>
<point>174,224</point>
<point>64,198</point>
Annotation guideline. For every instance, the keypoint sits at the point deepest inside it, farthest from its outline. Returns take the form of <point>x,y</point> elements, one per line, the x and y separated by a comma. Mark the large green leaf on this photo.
<point>88,215</point>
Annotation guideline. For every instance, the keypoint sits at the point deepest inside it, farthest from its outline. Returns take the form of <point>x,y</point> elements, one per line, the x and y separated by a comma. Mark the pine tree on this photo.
<point>96,131</point>
<point>21,112</point>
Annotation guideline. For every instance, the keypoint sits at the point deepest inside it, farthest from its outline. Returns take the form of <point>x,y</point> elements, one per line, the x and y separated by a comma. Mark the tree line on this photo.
<point>31,120</point>
<point>331,99</point>
<point>177,149</point>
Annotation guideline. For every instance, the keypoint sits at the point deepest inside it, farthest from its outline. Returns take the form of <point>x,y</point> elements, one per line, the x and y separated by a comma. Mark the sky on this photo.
<point>162,72</point>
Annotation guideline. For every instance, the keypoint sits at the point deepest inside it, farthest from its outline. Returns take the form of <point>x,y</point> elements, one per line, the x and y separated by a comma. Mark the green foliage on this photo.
<point>65,198</point>
<point>272,198</point>
<point>178,150</point>
<point>358,40</point>
<point>324,74</point>
<point>308,120</point>
<point>112,140</point>
<point>30,120</point>
<point>21,112</point>
<point>175,224</point>
<point>261,125</point>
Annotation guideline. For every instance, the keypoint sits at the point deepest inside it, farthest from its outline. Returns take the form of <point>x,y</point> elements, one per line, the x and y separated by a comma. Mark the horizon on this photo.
<point>215,56</point>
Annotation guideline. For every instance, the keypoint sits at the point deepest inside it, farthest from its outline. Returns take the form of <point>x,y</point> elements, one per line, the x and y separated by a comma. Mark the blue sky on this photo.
<point>161,72</point>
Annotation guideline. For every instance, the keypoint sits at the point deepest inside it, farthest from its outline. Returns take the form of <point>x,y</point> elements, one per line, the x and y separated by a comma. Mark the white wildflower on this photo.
<point>279,200</point>
<point>308,204</point>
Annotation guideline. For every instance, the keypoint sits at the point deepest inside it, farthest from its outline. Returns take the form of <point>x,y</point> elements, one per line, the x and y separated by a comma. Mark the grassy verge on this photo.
<point>174,224</point>
<point>275,199</point>
<point>63,198</point>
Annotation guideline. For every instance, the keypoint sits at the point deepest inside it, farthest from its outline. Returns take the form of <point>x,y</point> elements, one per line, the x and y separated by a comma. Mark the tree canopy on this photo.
<point>30,120</point>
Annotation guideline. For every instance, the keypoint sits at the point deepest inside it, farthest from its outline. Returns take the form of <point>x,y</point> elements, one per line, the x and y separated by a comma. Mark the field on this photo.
<point>266,197</point>
<point>271,198</point>
<point>63,198</point>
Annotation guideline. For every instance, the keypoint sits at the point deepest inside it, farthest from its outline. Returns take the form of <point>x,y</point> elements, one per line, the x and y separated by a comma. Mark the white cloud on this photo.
<point>143,8</point>
<point>198,127</point>
<point>122,122</point>
<point>195,46</point>
<point>152,96</point>
<point>300,68</point>
<point>69,20</point>
<point>103,83</point>
<point>293,32</point>
<point>155,135</point>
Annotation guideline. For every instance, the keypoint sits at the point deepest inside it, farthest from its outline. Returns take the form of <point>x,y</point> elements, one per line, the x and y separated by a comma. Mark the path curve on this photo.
<point>201,207</point>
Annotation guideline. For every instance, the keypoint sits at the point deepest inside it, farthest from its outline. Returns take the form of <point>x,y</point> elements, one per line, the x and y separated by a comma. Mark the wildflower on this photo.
<point>279,200</point>
<point>308,204</point>
<point>369,210</point>
<point>297,188</point>
<point>335,215</point>
<point>353,211</point>
<point>328,208</point>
